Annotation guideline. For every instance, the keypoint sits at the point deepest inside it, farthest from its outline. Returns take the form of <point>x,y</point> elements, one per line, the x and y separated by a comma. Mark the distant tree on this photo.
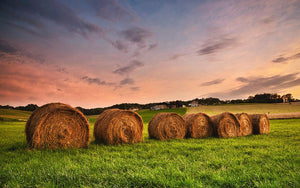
<point>267,98</point>
<point>258,98</point>
<point>237,101</point>
<point>93,111</point>
<point>211,101</point>
<point>29,107</point>
<point>6,107</point>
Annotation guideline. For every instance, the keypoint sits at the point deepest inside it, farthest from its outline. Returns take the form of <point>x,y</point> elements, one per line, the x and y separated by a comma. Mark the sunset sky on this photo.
<point>97,53</point>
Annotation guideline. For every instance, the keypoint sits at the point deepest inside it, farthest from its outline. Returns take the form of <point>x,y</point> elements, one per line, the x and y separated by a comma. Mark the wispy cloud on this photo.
<point>31,13</point>
<point>129,68</point>
<point>136,35</point>
<point>13,88</point>
<point>17,81</point>
<point>176,56</point>
<point>97,81</point>
<point>27,29</point>
<point>135,40</point>
<point>120,45</point>
<point>152,46</point>
<point>213,82</point>
<point>285,59</point>
<point>254,85</point>
<point>216,45</point>
<point>62,70</point>
<point>7,48</point>
<point>135,88</point>
<point>127,81</point>
<point>267,20</point>
<point>112,10</point>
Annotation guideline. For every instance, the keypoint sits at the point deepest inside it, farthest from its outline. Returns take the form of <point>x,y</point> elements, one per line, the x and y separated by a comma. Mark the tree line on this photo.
<point>258,98</point>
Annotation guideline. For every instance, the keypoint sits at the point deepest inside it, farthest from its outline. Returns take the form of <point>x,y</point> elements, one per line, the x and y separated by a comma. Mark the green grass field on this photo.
<point>14,115</point>
<point>254,161</point>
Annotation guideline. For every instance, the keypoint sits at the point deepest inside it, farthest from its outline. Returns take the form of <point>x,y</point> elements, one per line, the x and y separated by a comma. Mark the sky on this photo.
<point>97,53</point>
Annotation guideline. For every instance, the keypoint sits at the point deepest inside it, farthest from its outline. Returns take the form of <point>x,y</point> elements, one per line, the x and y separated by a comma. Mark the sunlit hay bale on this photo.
<point>115,126</point>
<point>245,124</point>
<point>57,125</point>
<point>260,123</point>
<point>165,126</point>
<point>199,125</point>
<point>226,125</point>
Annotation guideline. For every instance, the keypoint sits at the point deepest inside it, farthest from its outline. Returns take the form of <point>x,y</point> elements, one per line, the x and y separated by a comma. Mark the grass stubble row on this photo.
<point>58,125</point>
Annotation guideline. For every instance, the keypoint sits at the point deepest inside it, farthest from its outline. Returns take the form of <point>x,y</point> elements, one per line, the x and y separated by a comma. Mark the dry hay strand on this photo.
<point>115,126</point>
<point>245,124</point>
<point>260,123</point>
<point>165,126</point>
<point>226,125</point>
<point>199,125</point>
<point>57,125</point>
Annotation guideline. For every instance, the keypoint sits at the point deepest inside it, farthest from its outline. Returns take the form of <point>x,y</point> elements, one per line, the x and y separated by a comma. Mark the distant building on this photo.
<point>194,104</point>
<point>173,106</point>
<point>159,107</point>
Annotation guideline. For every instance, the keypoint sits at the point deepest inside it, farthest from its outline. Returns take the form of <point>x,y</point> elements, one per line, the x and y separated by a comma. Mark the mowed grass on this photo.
<point>248,108</point>
<point>146,114</point>
<point>254,161</point>
<point>14,115</point>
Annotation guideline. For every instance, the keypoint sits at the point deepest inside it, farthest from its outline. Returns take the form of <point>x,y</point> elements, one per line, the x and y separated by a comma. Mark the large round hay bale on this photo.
<point>260,123</point>
<point>165,126</point>
<point>226,125</point>
<point>199,125</point>
<point>57,125</point>
<point>115,126</point>
<point>245,124</point>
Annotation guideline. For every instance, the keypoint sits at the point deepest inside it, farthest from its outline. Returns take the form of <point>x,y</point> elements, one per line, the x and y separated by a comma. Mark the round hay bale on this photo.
<point>245,124</point>
<point>115,126</point>
<point>199,125</point>
<point>165,126</point>
<point>260,123</point>
<point>57,125</point>
<point>226,125</point>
